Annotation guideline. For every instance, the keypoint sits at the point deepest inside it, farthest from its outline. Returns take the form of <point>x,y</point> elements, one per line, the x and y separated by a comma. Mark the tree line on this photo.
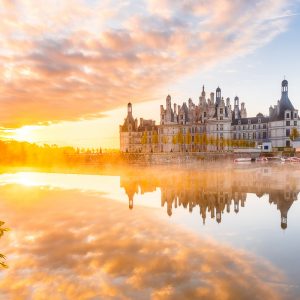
<point>15,153</point>
<point>201,141</point>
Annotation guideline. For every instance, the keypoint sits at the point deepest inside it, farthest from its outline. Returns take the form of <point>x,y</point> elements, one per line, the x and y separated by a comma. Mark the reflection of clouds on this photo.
<point>83,247</point>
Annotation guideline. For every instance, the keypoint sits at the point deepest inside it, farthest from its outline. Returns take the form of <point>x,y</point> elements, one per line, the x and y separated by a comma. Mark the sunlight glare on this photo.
<point>25,133</point>
<point>27,179</point>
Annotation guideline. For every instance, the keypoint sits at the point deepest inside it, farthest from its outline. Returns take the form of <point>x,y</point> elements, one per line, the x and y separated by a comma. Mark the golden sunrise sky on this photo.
<point>68,68</point>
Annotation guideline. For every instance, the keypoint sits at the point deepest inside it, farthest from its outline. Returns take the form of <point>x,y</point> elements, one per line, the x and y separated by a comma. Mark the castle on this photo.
<point>211,125</point>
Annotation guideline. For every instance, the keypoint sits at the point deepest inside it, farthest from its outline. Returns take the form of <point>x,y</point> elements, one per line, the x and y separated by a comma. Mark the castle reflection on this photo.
<point>214,192</point>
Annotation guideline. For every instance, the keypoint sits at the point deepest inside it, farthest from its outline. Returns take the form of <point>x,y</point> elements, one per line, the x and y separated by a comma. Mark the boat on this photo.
<point>293,159</point>
<point>242,160</point>
<point>261,159</point>
<point>276,159</point>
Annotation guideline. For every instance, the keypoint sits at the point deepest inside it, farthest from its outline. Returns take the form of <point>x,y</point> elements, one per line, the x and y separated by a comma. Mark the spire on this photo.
<point>203,91</point>
<point>218,95</point>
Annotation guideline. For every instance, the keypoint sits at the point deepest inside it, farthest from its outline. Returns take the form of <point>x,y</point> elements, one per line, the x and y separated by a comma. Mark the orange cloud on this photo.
<point>77,59</point>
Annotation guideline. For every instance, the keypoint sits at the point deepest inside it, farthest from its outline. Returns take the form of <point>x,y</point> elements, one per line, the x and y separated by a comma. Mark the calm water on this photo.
<point>228,232</point>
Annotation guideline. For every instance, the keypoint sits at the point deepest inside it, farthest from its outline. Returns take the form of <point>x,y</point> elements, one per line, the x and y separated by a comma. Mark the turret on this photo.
<point>284,86</point>
<point>129,109</point>
<point>228,102</point>
<point>161,109</point>
<point>168,102</point>
<point>243,110</point>
<point>218,95</point>
<point>203,92</point>
<point>212,98</point>
<point>190,103</point>
<point>236,107</point>
<point>202,97</point>
<point>271,111</point>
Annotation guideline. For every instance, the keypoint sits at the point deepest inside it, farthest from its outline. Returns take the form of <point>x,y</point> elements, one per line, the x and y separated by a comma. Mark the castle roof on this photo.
<point>253,120</point>
<point>283,105</point>
<point>129,120</point>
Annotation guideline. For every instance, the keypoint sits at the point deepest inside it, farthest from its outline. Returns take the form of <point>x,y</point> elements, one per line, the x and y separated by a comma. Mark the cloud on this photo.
<point>102,250</point>
<point>76,59</point>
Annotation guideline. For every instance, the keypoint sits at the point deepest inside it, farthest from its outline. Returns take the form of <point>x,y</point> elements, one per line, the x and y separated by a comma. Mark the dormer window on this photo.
<point>249,121</point>
<point>295,115</point>
<point>287,115</point>
<point>259,120</point>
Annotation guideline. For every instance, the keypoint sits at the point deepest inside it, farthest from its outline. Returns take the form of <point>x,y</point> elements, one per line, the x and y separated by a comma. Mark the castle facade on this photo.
<point>211,125</point>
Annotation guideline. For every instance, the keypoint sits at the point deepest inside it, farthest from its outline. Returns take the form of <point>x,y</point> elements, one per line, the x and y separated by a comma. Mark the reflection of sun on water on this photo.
<point>27,179</point>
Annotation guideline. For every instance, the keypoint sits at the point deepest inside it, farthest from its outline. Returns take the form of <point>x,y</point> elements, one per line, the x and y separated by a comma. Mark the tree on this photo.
<point>204,140</point>
<point>180,138</point>
<point>197,140</point>
<point>212,141</point>
<point>2,257</point>
<point>188,138</point>
<point>240,143</point>
<point>226,143</point>
<point>294,133</point>
<point>144,138</point>
<point>155,138</point>
<point>174,141</point>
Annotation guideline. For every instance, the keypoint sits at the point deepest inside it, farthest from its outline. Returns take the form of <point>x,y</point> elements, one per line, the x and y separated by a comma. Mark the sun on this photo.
<point>25,133</point>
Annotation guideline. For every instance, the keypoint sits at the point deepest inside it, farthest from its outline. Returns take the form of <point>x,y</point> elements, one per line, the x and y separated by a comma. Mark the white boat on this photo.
<point>261,159</point>
<point>242,160</point>
<point>276,159</point>
<point>293,159</point>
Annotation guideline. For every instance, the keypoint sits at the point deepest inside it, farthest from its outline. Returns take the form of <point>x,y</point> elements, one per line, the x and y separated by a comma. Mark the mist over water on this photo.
<point>171,232</point>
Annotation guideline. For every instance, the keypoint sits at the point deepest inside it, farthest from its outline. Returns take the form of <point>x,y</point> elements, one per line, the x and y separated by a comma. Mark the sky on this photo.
<point>69,68</point>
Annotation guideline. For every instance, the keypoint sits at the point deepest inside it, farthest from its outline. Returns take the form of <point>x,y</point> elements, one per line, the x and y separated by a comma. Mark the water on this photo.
<point>223,232</point>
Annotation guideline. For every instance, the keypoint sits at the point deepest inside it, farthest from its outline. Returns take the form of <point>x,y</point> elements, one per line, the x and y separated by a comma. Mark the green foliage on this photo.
<point>2,256</point>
